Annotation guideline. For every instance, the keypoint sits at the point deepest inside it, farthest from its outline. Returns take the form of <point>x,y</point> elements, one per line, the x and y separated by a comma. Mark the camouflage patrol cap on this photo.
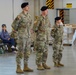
<point>24,4</point>
<point>43,8</point>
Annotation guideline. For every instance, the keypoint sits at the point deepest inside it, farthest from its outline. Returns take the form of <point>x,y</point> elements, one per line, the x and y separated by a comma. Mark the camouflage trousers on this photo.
<point>57,52</point>
<point>41,52</point>
<point>24,49</point>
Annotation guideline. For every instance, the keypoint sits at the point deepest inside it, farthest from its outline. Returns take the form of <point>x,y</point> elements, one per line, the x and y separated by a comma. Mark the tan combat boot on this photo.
<point>45,66</point>
<point>56,64</point>
<point>18,70</point>
<point>40,67</point>
<point>60,64</point>
<point>27,69</point>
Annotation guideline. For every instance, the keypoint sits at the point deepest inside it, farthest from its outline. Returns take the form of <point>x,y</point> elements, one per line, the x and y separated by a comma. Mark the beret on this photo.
<point>57,18</point>
<point>43,8</point>
<point>3,25</point>
<point>24,4</point>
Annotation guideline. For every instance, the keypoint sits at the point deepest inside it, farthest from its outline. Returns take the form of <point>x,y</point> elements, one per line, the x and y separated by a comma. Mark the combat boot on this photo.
<point>56,64</point>
<point>18,70</point>
<point>60,64</point>
<point>27,69</point>
<point>40,67</point>
<point>45,66</point>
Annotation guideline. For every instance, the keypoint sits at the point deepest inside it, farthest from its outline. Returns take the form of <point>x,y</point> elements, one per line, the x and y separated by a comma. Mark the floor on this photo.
<point>8,65</point>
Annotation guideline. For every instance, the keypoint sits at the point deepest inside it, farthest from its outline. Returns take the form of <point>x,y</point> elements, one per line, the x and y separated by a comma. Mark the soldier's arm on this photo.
<point>31,26</point>
<point>36,25</point>
<point>30,21</point>
<point>49,26</point>
<point>62,29</point>
<point>15,23</point>
<point>53,32</point>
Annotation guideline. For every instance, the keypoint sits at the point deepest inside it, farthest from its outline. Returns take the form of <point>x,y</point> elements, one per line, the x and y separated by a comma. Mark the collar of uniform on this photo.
<point>43,17</point>
<point>25,13</point>
<point>57,26</point>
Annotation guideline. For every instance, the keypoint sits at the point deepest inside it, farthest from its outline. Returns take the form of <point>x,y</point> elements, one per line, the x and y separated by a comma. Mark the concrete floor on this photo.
<point>8,65</point>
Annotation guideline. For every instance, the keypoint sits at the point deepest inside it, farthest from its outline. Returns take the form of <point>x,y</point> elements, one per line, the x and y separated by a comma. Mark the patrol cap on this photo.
<point>43,8</point>
<point>3,25</point>
<point>24,4</point>
<point>57,18</point>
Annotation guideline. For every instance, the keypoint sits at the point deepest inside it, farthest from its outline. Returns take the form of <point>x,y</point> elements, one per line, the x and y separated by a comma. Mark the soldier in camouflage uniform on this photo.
<point>41,44</point>
<point>57,34</point>
<point>22,25</point>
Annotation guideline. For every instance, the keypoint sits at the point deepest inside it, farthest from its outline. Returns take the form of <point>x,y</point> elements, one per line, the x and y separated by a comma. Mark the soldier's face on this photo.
<point>46,12</point>
<point>58,22</point>
<point>26,8</point>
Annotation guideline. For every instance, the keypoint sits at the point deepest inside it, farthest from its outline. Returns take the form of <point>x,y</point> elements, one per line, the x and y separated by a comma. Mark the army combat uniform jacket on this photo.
<point>57,34</point>
<point>42,31</point>
<point>22,25</point>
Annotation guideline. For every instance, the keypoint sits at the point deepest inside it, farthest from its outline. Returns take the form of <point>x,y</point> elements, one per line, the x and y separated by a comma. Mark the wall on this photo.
<point>36,7</point>
<point>42,3</point>
<point>6,13</point>
<point>72,16</point>
<point>69,1</point>
<point>17,7</point>
<point>58,4</point>
<point>51,16</point>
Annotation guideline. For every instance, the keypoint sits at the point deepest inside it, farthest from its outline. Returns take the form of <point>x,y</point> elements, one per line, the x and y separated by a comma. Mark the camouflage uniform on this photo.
<point>22,25</point>
<point>41,44</point>
<point>57,34</point>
